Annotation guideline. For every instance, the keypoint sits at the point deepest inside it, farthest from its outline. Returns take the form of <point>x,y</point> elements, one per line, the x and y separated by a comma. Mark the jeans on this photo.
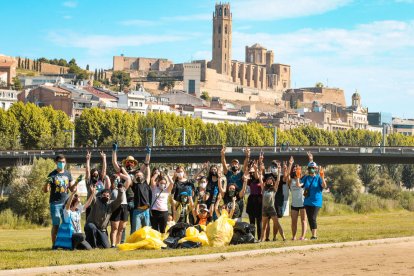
<point>96,237</point>
<point>140,218</point>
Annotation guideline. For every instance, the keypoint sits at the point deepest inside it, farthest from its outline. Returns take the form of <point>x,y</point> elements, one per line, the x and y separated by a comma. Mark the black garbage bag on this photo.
<point>243,232</point>
<point>189,244</point>
<point>172,242</point>
<point>245,228</point>
<point>178,230</point>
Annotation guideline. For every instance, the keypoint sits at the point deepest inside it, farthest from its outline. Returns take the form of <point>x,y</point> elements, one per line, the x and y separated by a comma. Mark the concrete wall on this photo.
<point>192,71</point>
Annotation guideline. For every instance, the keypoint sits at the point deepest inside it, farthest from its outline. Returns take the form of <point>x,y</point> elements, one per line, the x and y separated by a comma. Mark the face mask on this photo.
<point>252,175</point>
<point>180,174</point>
<point>163,186</point>
<point>203,185</point>
<point>269,185</point>
<point>214,173</point>
<point>184,199</point>
<point>104,200</point>
<point>273,170</point>
<point>140,179</point>
<point>311,170</point>
<point>61,165</point>
<point>234,168</point>
<point>293,174</point>
<point>232,193</point>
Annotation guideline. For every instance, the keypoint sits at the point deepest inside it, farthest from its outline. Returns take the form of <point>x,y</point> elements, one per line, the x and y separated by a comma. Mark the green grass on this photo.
<point>31,248</point>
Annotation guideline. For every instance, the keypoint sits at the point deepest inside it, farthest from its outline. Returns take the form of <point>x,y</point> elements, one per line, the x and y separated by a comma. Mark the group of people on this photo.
<point>157,198</point>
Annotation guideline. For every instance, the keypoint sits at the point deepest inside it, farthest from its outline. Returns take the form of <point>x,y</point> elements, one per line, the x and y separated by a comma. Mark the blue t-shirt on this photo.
<point>236,178</point>
<point>59,184</point>
<point>314,187</point>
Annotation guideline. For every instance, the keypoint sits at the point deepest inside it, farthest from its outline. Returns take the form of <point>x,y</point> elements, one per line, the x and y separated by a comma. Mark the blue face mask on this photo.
<point>61,165</point>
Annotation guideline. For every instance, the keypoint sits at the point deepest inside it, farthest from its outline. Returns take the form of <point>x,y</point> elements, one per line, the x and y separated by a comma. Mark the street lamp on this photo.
<point>182,133</point>
<point>385,127</point>
<point>153,135</point>
<point>274,136</point>
<point>73,136</point>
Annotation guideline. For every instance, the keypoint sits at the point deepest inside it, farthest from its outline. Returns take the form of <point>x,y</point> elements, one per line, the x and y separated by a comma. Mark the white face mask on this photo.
<point>180,174</point>
<point>273,170</point>
<point>203,185</point>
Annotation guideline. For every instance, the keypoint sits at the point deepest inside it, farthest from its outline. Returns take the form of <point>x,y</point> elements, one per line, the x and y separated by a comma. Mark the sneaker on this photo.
<point>274,239</point>
<point>303,239</point>
<point>267,240</point>
<point>112,246</point>
<point>314,238</point>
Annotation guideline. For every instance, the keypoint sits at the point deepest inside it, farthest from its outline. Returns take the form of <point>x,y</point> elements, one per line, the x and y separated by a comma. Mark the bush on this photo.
<point>406,200</point>
<point>330,208</point>
<point>26,195</point>
<point>384,187</point>
<point>345,183</point>
<point>367,203</point>
<point>8,220</point>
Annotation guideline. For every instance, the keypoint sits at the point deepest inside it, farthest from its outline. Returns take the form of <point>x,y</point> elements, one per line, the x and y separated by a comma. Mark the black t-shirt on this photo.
<point>200,196</point>
<point>183,186</point>
<point>239,202</point>
<point>141,194</point>
<point>59,184</point>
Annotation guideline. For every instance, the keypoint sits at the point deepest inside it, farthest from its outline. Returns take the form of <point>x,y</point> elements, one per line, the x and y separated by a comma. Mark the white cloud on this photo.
<point>70,4</point>
<point>139,23</point>
<point>374,58</point>
<point>258,10</point>
<point>101,44</point>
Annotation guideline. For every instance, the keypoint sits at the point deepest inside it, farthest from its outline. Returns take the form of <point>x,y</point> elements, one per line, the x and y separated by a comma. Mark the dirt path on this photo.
<point>379,257</point>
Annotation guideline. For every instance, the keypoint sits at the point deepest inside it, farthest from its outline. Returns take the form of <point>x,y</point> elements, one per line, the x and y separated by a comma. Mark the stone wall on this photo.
<point>46,68</point>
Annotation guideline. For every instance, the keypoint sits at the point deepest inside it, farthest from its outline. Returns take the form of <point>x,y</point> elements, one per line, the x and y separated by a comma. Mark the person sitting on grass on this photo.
<point>101,211</point>
<point>72,213</point>
<point>58,183</point>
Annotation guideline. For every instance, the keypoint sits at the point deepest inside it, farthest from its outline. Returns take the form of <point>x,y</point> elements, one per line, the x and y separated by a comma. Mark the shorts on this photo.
<point>279,211</point>
<point>269,212</point>
<point>297,209</point>
<point>56,213</point>
<point>120,214</point>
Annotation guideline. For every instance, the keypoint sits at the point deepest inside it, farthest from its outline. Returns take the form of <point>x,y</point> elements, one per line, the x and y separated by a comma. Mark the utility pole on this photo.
<point>153,135</point>
<point>182,133</point>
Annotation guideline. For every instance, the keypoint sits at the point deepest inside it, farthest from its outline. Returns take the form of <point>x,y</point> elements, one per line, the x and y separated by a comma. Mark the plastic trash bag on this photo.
<point>144,238</point>
<point>220,232</point>
<point>193,235</point>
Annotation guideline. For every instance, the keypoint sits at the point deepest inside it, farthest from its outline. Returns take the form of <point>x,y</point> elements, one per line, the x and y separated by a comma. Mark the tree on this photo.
<point>6,177</point>
<point>121,78</point>
<point>87,67</point>
<point>97,83</point>
<point>62,62</point>
<point>319,85</point>
<point>367,173</point>
<point>346,185</point>
<point>72,62</point>
<point>26,196</point>
<point>384,187</point>
<point>9,130</point>
<point>17,84</point>
<point>394,171</point>
<point>95,75</point>
<point>407,176</point>
<point>151,76</point>
<point>205,96</point>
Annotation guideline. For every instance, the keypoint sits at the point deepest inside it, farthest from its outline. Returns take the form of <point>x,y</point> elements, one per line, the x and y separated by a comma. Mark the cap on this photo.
<point>312,165</point>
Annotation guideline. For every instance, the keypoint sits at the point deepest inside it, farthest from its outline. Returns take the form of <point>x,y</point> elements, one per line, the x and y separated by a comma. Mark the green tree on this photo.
<point>90,126</point>
<point>407,176</point>
<point>95,75</point>
<point>121,78</point>
<point>152,75</point>
<point>6,177</point>
<point>205,96</point>
<point>319,85</point>
<point>367,173</point>
<point>87,67</point>
<point>26,196</point>
<point>384,187</point>
<point>17,84</point>
<point>9,130</point>
<point>345,184</point>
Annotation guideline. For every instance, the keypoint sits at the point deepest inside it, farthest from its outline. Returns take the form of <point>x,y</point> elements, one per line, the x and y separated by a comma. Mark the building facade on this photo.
<point>7,98</point>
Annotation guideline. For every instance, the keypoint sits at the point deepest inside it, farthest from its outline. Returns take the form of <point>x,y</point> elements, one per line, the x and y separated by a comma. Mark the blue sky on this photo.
<point>351,44</point>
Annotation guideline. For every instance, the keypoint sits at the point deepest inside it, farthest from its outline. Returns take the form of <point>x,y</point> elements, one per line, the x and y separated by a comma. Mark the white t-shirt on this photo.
<point>161,203</point>
<point>114,195</point>
<point>297,194</point>
<point>74,217</point>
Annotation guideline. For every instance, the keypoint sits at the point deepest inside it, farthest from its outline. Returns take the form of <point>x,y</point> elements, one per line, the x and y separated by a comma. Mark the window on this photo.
<point>140,104</point>
<point>225,29</point>
<point>219,44</point>
<point>131,104</point>
<point>221,12</point>
<point>219,29</point>
<point>225,56</point>
<point>225,11</point>
<point>191,86</point>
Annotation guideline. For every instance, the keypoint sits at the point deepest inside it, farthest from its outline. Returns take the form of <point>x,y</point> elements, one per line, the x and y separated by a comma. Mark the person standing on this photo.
<point>161,187</point>
<point>58,183</point>
<point>254,201</point>
<point>313,185</point>
<point>292,177</point>
<point>142,199</point>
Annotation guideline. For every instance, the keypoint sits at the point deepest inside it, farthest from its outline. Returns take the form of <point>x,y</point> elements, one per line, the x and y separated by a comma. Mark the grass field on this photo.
<point>31,248</point>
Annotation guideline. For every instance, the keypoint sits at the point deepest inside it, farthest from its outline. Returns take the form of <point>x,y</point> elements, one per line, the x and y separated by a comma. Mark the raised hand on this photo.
<point>298,172</point>
<point>321,172</point>
<point>261,156</point>
<point>206,165</point>
<point>310,156</point>
<point>291,160</point>
<point>88,155</point>
<point>247,151</point>
<point>223,151</point>
<point>103,155</point>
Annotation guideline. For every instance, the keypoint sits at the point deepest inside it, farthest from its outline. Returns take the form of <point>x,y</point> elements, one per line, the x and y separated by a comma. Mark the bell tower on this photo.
<point>222,39</point>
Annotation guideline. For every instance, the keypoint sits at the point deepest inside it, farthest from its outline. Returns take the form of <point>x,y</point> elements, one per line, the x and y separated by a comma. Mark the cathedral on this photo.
<point>257,71</point>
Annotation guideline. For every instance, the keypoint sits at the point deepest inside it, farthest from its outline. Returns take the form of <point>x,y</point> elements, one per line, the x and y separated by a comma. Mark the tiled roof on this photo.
<point>99,94</point>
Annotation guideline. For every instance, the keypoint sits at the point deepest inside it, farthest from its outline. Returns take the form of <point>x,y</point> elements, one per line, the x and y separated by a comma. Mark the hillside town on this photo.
<point>218,90</point>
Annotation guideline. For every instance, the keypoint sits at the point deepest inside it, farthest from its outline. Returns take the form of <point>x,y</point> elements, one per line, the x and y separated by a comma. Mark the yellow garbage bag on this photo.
<point>220,232</point>
<point>192,234</point>
<point>144,238</point>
